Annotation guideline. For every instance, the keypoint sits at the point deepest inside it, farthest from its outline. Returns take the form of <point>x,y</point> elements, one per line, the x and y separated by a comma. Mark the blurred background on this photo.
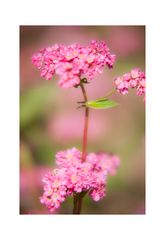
<point>50,122</point>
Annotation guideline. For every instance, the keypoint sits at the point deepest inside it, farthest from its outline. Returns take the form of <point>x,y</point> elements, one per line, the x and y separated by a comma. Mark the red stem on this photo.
<point>85,133</point>
<point>77,198</point>
<point>84,146</point>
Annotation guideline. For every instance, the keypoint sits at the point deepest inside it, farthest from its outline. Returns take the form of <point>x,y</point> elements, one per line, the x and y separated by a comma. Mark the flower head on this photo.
<point>133,79</point>
<point>73,62</point>
<point>74,176</point>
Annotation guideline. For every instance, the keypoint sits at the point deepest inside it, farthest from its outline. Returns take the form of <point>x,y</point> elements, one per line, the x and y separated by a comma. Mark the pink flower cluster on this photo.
<point>134,79</point>
<point>73,62</point>
<point>74,176</point>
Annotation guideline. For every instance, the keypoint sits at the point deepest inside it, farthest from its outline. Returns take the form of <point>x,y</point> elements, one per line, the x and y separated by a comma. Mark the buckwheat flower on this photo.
<point>73,62</point>
<point>98,193</point>
<point>74,176</point>
<point>134,79</point>
<point>141,87</point>
<point>121,85</point>
<point>109,162</point>
<point>69,157</point>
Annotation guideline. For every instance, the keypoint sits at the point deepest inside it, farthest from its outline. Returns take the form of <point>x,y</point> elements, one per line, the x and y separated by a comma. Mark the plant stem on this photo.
<point>109,93</point>
<point>75,207</point>
<point>77,198</point>
<point>85,133</point>
<point>77,202</point>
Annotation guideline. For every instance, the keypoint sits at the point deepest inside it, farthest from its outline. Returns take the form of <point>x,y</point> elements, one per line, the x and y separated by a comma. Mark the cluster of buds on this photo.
<point>133,79</point>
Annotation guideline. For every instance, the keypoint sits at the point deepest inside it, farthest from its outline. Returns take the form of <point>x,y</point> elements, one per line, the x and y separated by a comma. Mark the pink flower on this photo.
<point>134,79</point>
<point>122,85</point>
<point>74,176</point>
<point>68,157</point>
<point>73,62</point>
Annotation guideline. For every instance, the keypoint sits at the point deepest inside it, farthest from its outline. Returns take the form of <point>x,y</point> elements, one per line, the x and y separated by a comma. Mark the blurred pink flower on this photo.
<point>30,178</point>
<point>74,176</point>
<point>125,40</point>
<point>27,75</point>
<point>59,131</point>
<point>73,62</point>
<point>67,35</point>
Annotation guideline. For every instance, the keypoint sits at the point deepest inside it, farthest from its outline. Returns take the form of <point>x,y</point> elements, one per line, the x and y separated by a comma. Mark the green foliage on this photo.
<point>33,103</point>
<point>101,103</point>
<point>26,157</point>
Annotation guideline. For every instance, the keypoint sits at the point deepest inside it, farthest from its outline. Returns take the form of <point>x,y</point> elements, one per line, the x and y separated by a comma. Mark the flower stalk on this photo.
<point>77,198</point>
<point>77,202</point>
<point>85,133</point>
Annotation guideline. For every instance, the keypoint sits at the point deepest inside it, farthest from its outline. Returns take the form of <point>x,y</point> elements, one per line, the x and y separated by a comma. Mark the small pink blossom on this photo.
<point>74,176</point>
<point>134,79</point>
<point>73,62</point>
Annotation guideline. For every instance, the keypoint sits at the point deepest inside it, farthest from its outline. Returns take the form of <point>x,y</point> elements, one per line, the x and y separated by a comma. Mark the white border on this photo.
<point>96,226</point>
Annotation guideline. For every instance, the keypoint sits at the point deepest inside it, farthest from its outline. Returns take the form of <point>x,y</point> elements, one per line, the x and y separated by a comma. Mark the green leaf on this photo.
<point>101,103</point>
